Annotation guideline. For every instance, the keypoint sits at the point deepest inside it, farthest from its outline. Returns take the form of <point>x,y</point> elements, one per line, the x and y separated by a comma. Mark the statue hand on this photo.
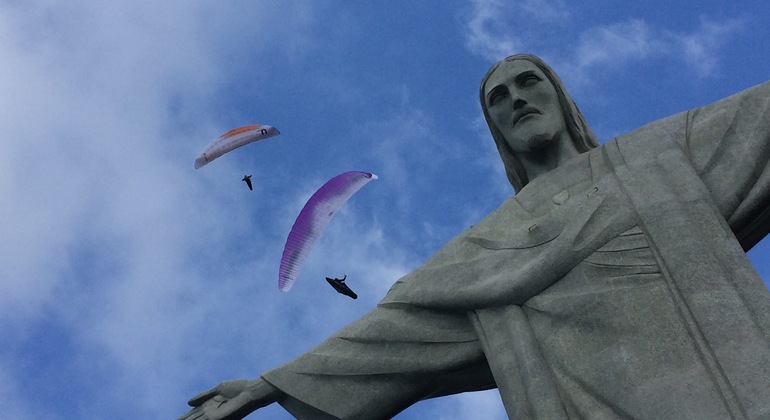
<point>231,400</point>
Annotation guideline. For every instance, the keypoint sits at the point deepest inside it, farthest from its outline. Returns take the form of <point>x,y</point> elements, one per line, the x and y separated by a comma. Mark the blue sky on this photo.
<point>129,281</point>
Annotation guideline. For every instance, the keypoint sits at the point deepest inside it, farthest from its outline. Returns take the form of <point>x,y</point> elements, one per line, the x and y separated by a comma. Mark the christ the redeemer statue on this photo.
<point>614,284</point>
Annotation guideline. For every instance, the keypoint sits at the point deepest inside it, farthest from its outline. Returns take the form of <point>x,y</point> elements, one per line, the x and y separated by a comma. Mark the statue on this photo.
<point>614,284</point>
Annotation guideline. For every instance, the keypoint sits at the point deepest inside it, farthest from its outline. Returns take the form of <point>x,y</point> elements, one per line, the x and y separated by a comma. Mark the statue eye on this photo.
<point>495,97</point>
<point>530,80</point>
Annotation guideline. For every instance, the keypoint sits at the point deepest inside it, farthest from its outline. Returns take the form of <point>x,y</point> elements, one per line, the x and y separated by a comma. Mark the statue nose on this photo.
<point>518,103</point>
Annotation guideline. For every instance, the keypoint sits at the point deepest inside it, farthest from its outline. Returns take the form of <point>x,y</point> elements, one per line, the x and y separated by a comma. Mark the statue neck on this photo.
<point>549,157</point>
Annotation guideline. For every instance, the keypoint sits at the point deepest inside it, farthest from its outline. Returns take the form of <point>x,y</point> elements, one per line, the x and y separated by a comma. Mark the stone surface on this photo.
<point>613,285</point>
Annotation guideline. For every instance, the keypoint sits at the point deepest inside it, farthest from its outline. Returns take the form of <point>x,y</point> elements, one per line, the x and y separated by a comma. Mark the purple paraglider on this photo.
<point>313,218</point>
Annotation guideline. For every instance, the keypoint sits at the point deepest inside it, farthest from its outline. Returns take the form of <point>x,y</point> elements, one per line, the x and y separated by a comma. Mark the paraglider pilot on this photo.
<point>340,286</point>
<point>247,179</point>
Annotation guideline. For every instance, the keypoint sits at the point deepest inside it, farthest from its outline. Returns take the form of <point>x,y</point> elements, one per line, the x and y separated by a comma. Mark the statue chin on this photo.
<point>532,140</point>
<point>534,143</point>
<point>539,142</point>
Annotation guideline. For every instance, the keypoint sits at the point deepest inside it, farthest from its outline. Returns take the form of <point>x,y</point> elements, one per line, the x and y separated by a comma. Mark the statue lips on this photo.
<point>527,110</point>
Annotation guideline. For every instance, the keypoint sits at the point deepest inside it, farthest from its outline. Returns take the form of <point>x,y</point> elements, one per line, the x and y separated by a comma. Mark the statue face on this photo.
<point>524,106</point>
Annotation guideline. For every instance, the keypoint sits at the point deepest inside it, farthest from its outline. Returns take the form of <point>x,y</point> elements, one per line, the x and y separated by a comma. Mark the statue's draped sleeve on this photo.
<point>382,363</point>
<point>728,143</point>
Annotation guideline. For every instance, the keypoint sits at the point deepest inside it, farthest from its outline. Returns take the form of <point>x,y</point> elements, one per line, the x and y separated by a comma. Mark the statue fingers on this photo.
<point>194,414</point>
<point>232,388</point>
<point>204,396</point>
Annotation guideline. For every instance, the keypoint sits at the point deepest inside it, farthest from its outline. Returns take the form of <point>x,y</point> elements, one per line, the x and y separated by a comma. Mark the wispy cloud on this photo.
<point>104,234</point>
<point>495,31</point>
<point>489,35</point>
<point>616,44</point>
<point>14,407</point>
<point>621,44</point>
<point>701,48</point>
<point>549,11</point>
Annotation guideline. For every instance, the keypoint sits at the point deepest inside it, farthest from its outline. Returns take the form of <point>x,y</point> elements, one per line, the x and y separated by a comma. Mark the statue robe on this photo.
<point>614,286</point>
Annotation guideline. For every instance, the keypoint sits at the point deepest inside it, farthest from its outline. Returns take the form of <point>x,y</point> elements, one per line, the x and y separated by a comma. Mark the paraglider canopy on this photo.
<point>234,139</point>
<point>313,218</point>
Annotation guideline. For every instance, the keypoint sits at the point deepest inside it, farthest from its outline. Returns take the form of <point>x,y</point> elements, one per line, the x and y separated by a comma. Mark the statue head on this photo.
<point>573,121</point>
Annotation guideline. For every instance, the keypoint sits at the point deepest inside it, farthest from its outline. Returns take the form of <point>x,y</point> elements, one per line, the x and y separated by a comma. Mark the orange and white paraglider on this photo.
<point>234,139</point>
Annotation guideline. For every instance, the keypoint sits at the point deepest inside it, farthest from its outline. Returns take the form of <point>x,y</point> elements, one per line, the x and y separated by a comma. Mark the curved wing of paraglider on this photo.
<point>234,139</point>
<point>313,218</point>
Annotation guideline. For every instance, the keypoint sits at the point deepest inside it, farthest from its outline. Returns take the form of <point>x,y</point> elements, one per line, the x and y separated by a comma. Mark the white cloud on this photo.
<point>14,406</point>
<point>701,48</point>
<point>545,10</point>
<point>617,43</point>
<point>488,35</point>
<point>497,29</point>
<point>620,44</point>
<point>104,226</point>
<point>494,32</point>
<point>91,145</point>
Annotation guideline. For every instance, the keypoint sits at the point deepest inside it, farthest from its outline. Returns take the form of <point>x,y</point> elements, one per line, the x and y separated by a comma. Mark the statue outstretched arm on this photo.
<point>729,145</point>
<point>231,400</point>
